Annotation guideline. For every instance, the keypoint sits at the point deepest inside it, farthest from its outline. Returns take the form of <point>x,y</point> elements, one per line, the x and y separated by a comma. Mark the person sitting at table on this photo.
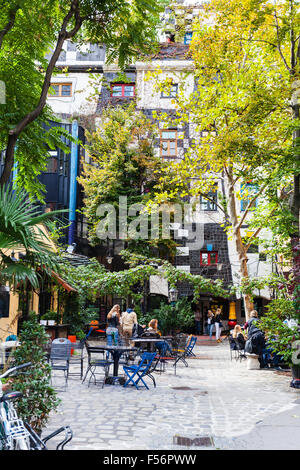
<point>238,336</point>
<point>162,346</point>
<point>153,327</point>
<point>113,319</point>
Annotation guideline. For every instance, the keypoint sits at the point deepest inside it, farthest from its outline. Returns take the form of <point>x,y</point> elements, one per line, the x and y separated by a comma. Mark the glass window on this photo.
<point>208,258</point>
<point>168,143</point>
<point>128,90</point>
<point>188,38</point>
<point>171,93</point>
<point>55,90</point>
<point>66,90</point>
<point>248,191</point>
<point>52,165</point>
<point>60,89</point>
<point>211,203</point>
<point>123,90</point>
<point>4,303</point>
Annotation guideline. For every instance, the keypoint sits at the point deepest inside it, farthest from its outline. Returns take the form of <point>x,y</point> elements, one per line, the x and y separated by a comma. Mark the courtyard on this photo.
<point>214,403</point>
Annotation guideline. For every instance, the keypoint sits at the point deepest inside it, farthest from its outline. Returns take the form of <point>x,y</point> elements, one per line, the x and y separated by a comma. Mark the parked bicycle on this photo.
<point>15,434</point>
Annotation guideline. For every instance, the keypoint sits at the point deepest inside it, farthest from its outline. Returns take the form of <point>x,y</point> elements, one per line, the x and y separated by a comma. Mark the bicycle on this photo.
<point>15,434</point>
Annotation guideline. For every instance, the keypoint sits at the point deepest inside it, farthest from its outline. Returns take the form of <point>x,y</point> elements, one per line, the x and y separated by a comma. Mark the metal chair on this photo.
<point>232,347</point>
<point>188,352</point>
<point>60,357</point>
<point>136,373</point>
<point>96,362</point>
<point>77,358</point>
<point>240,348</point>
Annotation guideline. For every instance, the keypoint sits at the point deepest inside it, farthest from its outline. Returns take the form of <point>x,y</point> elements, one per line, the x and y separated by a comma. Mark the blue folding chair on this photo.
<point>136,372</point>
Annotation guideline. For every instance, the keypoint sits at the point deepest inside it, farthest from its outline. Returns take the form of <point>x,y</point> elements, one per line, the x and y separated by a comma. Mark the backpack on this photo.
<point>256,343</point>
<point>137,330</point>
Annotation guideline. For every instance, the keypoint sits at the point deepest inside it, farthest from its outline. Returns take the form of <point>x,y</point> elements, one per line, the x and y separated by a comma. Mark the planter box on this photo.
<point>43,322</point>
<point>51,322</point>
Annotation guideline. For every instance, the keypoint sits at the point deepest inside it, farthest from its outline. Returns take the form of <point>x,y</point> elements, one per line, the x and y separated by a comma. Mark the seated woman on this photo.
<point>162,346</point>
<point>238,336</point>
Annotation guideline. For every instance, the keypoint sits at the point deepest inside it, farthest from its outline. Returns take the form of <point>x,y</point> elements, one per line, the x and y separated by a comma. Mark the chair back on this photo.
<point>61,349</point>
<point>146,360</point>
<point>232,342</point>
<point>93,350</point>
<point>191,344</point>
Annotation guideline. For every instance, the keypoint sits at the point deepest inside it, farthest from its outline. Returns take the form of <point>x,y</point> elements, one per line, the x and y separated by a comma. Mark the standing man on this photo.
<point>128,319</point>
<point>197,321</point>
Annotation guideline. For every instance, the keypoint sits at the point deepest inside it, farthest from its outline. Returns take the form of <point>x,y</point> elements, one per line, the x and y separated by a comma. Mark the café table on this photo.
<point>150,342</point>
<point>116,352</point>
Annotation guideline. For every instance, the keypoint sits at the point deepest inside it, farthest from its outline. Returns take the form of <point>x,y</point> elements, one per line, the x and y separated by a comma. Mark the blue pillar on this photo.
<point>73,184</point>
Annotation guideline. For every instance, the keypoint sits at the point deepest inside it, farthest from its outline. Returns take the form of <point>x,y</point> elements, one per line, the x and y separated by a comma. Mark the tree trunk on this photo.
<point>36,112</point>
<point>239,245</point>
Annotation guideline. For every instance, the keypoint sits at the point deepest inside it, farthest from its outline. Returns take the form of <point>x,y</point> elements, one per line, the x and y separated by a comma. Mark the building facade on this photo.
<point>90,85</point>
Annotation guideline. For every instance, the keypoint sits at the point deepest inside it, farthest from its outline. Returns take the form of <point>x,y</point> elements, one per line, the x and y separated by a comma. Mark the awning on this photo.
<point>63,283</point>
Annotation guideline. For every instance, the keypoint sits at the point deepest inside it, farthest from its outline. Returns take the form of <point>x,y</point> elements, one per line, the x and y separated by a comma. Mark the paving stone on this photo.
<point>118,418</point>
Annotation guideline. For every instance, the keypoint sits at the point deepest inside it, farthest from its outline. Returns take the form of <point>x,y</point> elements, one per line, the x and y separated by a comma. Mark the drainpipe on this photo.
<point>73,184</point>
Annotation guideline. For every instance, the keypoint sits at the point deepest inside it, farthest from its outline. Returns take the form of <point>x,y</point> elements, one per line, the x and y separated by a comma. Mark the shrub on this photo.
<point>172,318</point>
<point>39,398</point>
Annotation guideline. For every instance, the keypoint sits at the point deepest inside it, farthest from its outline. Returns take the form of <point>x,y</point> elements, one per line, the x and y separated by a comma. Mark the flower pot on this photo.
<point>43,322</point>
<point>51,322</point>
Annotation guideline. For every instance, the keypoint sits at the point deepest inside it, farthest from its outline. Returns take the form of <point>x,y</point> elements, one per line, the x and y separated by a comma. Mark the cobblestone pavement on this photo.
<point>213,397</point>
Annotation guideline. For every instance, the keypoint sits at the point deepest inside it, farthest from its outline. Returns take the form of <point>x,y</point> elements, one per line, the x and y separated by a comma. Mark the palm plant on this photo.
<point>21,228</point>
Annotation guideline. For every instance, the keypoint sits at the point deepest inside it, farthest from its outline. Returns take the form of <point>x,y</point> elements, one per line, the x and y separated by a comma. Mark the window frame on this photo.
<point>170,95</point>
<point>60,85</point>
<point>213,207</point>
<point>208,253</point>
<point>122,85</point>
<point>168,140</point>
<point>188,38</point>
<point>245,201</point>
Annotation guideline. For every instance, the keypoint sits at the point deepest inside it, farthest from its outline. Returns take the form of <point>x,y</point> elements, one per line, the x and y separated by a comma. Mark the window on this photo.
<point>208,258</point>
<point>168,143</point>
<point>60,89</point>
<point>4,303</point>
<point>188,38</point>
<point>123,90</point>
<point>248,191</point>
<point>171,93</point>
<point>211,203</point>
<point>51,165</point>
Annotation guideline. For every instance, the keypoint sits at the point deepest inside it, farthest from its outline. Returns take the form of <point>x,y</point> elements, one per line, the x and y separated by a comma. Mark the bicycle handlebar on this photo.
<point>14,369</point>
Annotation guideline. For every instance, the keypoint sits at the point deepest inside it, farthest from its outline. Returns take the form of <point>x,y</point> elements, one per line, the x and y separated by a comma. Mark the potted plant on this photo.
<point>50,316</point>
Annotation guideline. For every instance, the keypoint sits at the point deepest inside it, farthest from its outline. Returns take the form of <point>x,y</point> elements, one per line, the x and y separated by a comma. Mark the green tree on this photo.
<point>243,128</point>
<point>30,29</point>
<point>21,230</point>
<point>123,165</point>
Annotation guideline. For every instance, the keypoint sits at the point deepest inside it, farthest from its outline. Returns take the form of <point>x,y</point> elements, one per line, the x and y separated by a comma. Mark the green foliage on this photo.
<point>29,30</point>
<point>93,280</point>
<point>39,398</point>
<point>20,228</point>
<point>278,334</point>
<point>123,165</point>
<point>171,318</point>
<point>76,314</point>
<point>49,315</point>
